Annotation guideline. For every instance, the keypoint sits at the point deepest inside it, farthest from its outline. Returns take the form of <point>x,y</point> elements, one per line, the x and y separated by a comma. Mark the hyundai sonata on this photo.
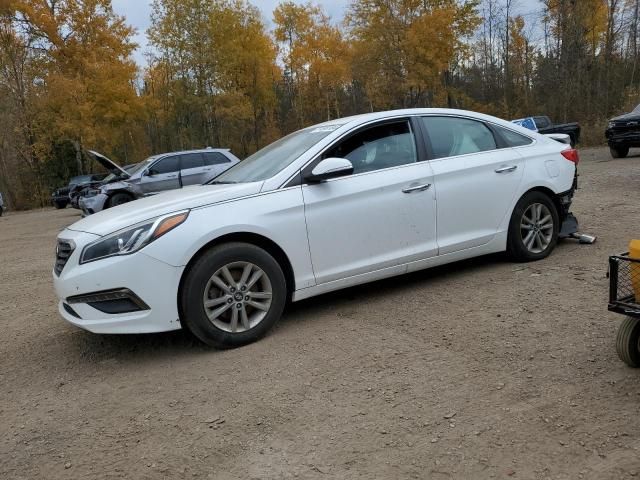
<point>327,207</point>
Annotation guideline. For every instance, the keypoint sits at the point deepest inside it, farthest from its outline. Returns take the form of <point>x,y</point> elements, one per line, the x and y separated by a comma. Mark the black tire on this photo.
<point>60,204</point>
<point>1,211</point>
<point>191,297</point>
<point>628,341</point>
<point>118,199</point>
<point>516,248</point>
<point>619,152</point>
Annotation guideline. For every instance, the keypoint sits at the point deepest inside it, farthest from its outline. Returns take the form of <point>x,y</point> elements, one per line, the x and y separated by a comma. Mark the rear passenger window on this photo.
<point>513,139</point>
<point>191,160</point>
<point>166,165</point>
<point>214,158</point>
<point>451,136</point>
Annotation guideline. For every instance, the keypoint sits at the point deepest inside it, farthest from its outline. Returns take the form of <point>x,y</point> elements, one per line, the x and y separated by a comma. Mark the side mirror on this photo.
<point>330,168</point>
<point>150,173</point>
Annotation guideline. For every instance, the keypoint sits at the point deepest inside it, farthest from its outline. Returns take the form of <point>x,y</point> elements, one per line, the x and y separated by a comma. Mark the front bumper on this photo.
<point>154,282</point>
<point>623,138</point>
<point>91,205</point>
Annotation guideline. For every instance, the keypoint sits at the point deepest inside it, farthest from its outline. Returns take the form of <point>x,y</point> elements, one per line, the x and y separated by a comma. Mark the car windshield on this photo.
<point>139,166</point>
<point>273,158</point>
<point>128,168</point>
<point>80,180</point>
<point>637,109</point>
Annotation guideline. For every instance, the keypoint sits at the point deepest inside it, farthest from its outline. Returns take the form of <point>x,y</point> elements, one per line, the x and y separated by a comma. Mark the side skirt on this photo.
<point>498,244</point>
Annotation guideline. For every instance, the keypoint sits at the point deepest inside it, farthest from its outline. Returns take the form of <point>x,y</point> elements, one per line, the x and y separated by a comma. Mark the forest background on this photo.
<point>220,74</point>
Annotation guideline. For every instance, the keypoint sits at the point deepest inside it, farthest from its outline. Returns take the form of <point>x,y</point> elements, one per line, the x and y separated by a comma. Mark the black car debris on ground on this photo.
<point>623,133</point>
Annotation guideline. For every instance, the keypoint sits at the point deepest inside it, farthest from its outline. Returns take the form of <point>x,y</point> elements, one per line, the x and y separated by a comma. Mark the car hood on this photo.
<point>122,216</point>
<point>111,166</point>
<point>627,117</point>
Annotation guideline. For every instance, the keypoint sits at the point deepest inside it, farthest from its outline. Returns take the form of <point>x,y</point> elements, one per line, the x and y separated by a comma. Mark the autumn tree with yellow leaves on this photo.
<point>226,74</point>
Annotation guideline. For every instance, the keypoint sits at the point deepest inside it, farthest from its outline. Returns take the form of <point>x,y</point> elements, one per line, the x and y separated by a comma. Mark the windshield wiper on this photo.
<point>217,182</point>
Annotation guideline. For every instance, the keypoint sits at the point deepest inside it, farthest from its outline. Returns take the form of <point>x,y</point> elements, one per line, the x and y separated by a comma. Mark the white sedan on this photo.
<point>338,204</point>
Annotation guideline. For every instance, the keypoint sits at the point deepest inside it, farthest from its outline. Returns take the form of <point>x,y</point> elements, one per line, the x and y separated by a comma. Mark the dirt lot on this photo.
<point>482,369</point>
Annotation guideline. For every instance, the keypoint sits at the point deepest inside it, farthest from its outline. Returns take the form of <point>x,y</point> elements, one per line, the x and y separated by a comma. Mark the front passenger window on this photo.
<point>166,165</point>
<point>378,147</point>
<point>451,136</point>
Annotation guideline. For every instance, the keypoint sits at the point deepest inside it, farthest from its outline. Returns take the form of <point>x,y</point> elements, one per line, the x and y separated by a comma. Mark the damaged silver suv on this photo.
<point>158,173</point>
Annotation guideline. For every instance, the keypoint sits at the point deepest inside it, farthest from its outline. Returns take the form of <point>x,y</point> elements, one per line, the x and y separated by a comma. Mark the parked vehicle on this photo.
<point>338,204</point>
<point>543,124</point>
<point>79,191</point>
<point>60,197</point>
<point>167,171</point>
<point>623,133</point>
<point>624,298</point>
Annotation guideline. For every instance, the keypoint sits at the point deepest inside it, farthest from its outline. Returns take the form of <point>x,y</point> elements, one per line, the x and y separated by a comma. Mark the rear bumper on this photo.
<point>568,222</point>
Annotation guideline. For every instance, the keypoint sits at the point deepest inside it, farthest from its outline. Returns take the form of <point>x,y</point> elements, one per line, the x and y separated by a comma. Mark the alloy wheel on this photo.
<point>536,228</point>
<point>237,297</point>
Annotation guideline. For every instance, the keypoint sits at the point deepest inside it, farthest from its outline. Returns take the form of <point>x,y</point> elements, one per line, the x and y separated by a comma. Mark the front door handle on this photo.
<point>506,169</point>
<point>416,188</point>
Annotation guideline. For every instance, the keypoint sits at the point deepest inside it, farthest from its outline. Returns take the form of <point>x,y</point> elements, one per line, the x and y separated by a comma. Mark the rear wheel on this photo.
<point>118,199</point>
<point>233,295</point>
<point>619,152</point>
<point>628,341</point>
<point>533,229</point>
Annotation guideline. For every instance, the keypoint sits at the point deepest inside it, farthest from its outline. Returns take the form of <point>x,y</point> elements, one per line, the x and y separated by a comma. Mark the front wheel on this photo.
<point>533,229</point>
<point>619,152</point>
<point>118,199</point>
<point>628,341</point>
<point>233,295</point>
<point>59,204</point>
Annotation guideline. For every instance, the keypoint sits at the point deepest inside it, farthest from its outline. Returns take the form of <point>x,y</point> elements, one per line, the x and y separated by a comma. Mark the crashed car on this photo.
<point>78,191</point>
<point>167,171</point>
<point>60,197</point>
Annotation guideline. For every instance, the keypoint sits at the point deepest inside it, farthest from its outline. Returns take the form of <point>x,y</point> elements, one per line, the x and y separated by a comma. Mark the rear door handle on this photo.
<point>506,169</point>
<point>416,188</point>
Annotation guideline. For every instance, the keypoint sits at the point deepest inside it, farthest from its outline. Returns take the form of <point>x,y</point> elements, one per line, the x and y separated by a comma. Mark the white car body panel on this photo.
<point>374,224</point>
<point>463,224</point>
<point>339,233</point>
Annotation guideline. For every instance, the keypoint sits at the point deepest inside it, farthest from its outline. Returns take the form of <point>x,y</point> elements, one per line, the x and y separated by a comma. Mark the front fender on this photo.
<point>277,216</point>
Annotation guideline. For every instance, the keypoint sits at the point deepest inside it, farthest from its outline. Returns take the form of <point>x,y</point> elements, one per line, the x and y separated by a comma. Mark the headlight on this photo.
<point>132,239</point>
<point>611,125</point>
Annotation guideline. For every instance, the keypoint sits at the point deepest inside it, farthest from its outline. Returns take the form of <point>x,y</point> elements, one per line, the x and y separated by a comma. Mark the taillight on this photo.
<point>571,155</point>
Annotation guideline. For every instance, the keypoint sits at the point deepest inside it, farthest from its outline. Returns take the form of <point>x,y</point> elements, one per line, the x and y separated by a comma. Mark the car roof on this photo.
<point>198,150</point>
<point>366,117</point>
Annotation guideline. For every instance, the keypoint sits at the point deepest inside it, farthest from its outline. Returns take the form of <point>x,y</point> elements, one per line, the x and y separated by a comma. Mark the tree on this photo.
<point>405,49</point>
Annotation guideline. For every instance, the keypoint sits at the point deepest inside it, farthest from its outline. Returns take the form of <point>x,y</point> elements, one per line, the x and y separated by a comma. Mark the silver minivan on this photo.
<point>157,173</point>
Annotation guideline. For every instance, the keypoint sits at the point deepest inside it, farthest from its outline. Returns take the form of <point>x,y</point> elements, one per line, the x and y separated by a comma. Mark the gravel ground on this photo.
<point>480,369</point>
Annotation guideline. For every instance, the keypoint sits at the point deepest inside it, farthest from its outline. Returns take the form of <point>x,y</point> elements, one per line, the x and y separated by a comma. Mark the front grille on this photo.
<point>64,249</point>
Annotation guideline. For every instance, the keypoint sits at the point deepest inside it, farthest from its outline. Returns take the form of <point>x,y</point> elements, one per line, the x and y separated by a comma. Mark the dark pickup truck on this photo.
<point>543,124</point>
<point>623,132</point>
